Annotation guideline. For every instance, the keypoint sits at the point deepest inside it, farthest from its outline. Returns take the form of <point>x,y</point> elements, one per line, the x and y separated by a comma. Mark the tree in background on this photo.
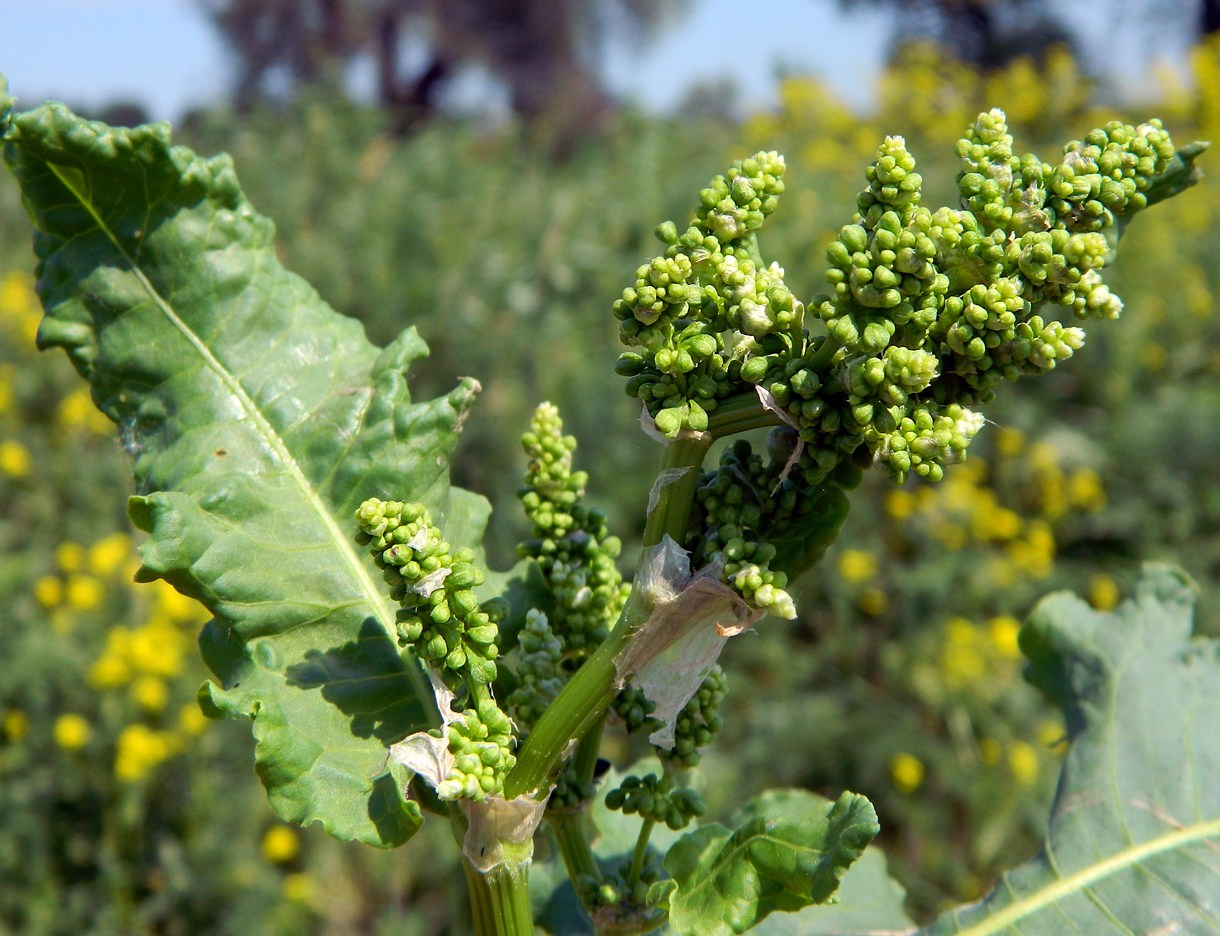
<point>1209,17</point>
<point>985,33</point>
<point>541,50</point>
<point>991,33</point>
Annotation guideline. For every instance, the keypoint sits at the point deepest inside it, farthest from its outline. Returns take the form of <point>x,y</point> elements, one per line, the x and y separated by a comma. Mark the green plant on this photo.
<point>387,674</point>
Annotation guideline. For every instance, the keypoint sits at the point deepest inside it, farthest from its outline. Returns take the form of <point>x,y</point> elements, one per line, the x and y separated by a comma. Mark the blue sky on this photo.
<point>164,53</point>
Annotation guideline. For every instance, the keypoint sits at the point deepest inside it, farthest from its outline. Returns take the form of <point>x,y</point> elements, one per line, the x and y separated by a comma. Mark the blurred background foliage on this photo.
<point>123,812</point>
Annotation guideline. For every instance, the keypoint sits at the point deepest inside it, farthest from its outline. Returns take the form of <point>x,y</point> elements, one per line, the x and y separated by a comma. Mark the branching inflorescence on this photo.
<point>927,313</point>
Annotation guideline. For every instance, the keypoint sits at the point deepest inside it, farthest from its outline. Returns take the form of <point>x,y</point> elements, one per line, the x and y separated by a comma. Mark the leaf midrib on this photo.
<point>278,449</point>
<point>1074,883</point>
<point>733,846</point>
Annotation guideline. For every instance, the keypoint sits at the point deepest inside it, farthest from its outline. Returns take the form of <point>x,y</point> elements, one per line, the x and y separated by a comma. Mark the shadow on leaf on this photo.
<point>367,680</point>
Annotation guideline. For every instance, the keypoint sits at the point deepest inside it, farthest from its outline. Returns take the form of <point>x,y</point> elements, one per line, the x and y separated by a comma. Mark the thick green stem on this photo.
<point>571,826</point>
<point>483,919</point>
<point>571,829</point>
<point>500,899</point>
<point>641,842</point>
<point>640,853</point>
<point>740,413</point>
<point>584,761</point>
<point>679,474</point>
<point>582,701</point>
<point>828,349</point>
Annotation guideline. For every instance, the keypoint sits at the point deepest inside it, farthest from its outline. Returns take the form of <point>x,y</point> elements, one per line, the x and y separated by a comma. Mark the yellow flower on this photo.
<point>873,602</point>
<point>19,305</point>
<point>108,554</point>
<point>1085,491</point>
<point>140,750</point>
<point>962,666</point>
<point>109,671</point>
<point>907,772</point>
<point>16,723</point>
<point>14,459</point>
<point>77,413</point>
<point>1023,762</point>
<point>72,732</point>
<point>1103,593</point>
<point>900,504</point>
<point>962,663</point>
<point>191,720</point>
<point>1035,554</point>
<point>1003,631</point>
<point>177,607</point>
<point>299,888</point>
<point>150,693</point>
<point>999,523</point>
<point>281,845</point>
<point>1052,493</point>
<point>84,593</point>
<point>6,388</point>
<point>1044,457</point>
<point>857,565</point>
<point>1050,735</point>
<point>70,556</point>
<point>48,591</point>
<point>156,649</point>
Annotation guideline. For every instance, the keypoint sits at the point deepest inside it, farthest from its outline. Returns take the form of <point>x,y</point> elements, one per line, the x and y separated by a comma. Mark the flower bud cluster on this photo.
<point>635,709</point>
<point>570,792</point>
<point>481,741</point>
<point>928,311</point>
<point>443,622</point>
<point>692,308</point>
<point>539,670</point>
<point>618,901</point>
<point>440,617</point>
<point>699,721</point>
<point>1108,174</point>
<point>571,543</point>
<point>696,726</point>
<point>654,799</point>
<point>734,506</point>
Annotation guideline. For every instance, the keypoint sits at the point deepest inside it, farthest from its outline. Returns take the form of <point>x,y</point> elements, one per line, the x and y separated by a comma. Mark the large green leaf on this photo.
<point>1134,839</point>
<point>868,903</point>
<point>258,419</point>
<point>788,850</point>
